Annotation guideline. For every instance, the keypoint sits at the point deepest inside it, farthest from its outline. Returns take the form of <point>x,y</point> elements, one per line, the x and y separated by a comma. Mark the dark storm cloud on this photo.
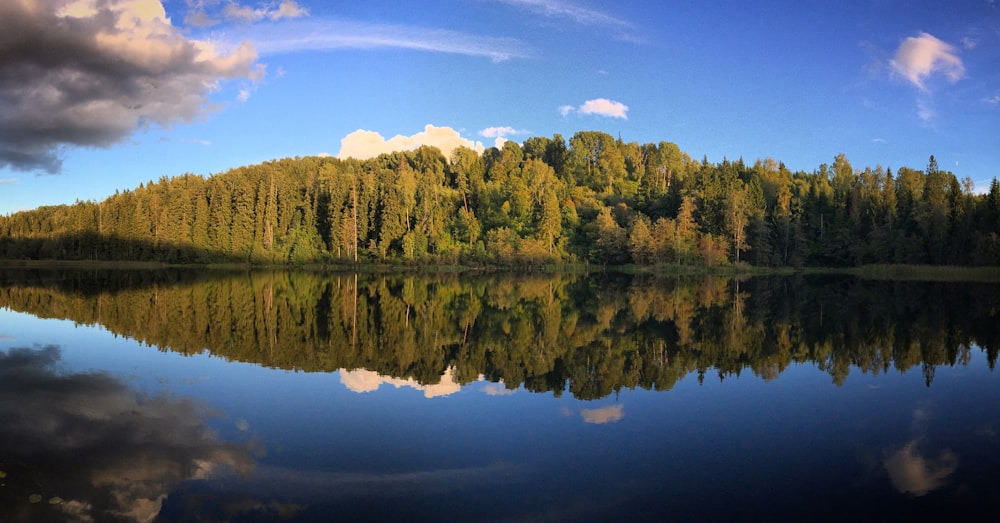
<point>90,72</point>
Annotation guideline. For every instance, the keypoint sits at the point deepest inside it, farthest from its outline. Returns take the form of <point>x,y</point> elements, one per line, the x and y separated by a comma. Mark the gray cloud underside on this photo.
<point>93,80</point>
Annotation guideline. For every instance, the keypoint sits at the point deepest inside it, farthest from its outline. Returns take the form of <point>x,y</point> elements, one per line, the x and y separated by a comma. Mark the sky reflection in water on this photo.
<point>120,431</point>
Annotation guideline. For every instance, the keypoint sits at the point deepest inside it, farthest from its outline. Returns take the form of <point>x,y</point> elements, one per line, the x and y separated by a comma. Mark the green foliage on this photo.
<point>591,336</point>
<point>595,199</point>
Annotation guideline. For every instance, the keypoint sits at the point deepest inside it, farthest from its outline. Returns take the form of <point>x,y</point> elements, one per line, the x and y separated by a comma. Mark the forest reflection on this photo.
<point>588,335</point>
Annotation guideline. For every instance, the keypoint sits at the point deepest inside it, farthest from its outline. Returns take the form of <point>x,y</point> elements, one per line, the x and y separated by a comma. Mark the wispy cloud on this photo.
<point>576,13</point>
<point>918,57</point>
<point>597,106</point>
<point>879,140</point>
<point>925,111</point>
<point>329,34</point>
<point>993,100</point>
<point>561,9</point>
<point>7,181</point>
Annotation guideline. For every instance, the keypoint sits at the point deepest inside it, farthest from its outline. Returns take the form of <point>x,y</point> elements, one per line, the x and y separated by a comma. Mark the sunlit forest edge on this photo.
<point>592,199</point>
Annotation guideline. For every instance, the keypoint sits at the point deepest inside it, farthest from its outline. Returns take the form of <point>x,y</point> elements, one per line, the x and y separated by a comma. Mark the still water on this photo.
<point>294,396</point>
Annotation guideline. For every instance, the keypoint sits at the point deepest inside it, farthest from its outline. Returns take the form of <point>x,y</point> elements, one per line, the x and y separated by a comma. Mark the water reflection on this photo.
<point>911,469</point>
<point>85,447</point>
<point>589,443</point>
<point>602,415</point>
<point>913,473</point>
<point>363,380</point>
<point>588,336</point>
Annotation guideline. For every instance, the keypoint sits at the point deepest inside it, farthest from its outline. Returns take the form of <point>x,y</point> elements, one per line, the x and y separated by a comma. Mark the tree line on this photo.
<point>589,336</point>
<point>592,199</point>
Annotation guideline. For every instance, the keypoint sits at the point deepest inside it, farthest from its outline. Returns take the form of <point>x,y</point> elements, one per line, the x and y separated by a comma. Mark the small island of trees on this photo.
<point>593,199</point>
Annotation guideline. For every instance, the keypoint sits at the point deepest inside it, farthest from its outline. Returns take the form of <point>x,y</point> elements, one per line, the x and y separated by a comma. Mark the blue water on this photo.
<point>352,445</point>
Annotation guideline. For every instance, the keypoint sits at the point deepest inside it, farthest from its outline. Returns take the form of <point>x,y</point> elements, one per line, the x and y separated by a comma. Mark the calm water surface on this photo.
<point>184,396</point>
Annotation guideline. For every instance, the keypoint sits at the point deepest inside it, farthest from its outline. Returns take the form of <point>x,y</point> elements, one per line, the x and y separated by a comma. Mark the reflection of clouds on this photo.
<point>602,415</point>
<point>89,439</point>
<point>912,473</point>
<point>363,380</point>
<point>497,389</point>
<point>312,485</point>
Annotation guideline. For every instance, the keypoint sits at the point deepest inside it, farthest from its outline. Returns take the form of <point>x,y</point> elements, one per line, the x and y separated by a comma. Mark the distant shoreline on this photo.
<point>874,272</point>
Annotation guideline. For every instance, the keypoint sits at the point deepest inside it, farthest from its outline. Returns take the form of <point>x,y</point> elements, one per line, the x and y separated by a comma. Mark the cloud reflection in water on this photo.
<point>109,453</point>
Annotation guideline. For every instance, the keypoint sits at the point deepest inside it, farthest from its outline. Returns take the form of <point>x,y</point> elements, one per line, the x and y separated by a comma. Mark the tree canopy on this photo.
<point>592,198</point>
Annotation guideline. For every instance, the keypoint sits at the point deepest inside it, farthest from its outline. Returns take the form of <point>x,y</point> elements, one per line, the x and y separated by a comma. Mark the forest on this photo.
<point>592,199</point>
<point>589,336</point>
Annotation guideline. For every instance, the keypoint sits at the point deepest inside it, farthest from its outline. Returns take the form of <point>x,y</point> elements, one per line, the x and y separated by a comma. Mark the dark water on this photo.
<point>191,396</point>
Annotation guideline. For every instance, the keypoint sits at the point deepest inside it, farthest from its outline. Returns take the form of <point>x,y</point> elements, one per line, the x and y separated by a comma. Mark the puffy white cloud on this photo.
<point>918,57</point>
<point>602,415</point>
<point>363,144</point>
<point>605,107</point>
<point>89,73</point>
<point>598,106</point>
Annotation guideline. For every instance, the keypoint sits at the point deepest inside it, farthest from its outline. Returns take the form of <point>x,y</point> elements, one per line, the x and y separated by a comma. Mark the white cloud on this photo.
<point>90,73</point>
<point>328,34</point>
<point>363,144</point>
<point>500,134</point>
<point>921,56</point>
<point>7,181</point>
<point>993,100</point>
<point>605,107</point>
<point>879,140</point>
<point>598,106</point>
<point>602,415</point>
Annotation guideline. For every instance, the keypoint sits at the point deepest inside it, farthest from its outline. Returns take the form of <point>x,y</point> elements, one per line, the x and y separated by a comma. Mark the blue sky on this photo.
<point>101,95</point>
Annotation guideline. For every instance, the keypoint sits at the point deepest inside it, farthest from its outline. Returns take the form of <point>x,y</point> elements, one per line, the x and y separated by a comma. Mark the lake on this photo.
<point>189,395</point>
